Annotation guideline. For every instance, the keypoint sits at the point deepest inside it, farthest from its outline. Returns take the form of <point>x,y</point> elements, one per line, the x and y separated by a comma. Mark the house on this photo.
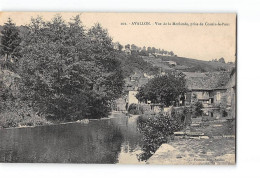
<point>134,77</point>
<point>172,63</point>
<point>148,76</point>
<point>231,94</point>
<point>152,55</point>
<point>120,104</point>
<point>157,107</point>
<point>208,88</point>
<point>132,84</point>
<point>132,97</point>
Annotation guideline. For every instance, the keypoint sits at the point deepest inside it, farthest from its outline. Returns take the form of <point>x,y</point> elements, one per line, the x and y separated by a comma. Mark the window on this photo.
<point>218,96</point>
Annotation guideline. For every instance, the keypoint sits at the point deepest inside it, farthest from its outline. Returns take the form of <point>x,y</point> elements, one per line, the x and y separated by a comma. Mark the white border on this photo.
<point>248,150</point>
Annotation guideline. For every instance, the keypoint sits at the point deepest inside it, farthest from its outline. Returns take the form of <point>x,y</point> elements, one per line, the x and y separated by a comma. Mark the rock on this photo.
<point>217,137</point>
<point>179,133</point>
<point>195,125</point>
<point>194,137</point>
<point>217,125</point>
<point>194,134</point>
<point>84,121</point>
<point>204,137</point>
<point>229,136</point>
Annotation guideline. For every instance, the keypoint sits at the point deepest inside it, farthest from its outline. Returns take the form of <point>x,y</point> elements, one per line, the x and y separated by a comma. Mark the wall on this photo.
<point>131,97</point>
<point>220,96</point>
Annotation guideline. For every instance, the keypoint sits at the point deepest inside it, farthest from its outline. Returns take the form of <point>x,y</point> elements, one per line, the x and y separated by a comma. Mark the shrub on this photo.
<point>23,116</point>
<point>224,113</point>
<point>157,129</point>
<point>135,109</point>
<point>198,108</point>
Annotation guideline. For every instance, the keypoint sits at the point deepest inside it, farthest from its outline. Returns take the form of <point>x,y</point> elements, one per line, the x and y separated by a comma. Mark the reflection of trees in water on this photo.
<point>97,142</point>
<point>158,129</point>
<point>132,137</point>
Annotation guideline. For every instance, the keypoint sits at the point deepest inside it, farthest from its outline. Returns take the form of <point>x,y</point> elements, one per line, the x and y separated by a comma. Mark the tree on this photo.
<point>134,47</point>
<point>163,89</point>
<point>10,40</point>
<point>102,52</point>
<point>171,53</point>
<point>127,46</point>
<point>120,47</point>
<point>149,50</point>
<point>221,60</point>
<point>198,108</point>
<point>68,73</point>
<point>153,50</point>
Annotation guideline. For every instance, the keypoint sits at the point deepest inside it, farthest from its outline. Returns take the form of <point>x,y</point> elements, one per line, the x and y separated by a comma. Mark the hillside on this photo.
<point>132,64</point>
<point>194,65</point>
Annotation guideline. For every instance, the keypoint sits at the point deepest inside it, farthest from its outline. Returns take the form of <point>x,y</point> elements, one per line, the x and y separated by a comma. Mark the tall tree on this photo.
<point>102,52</point>
<point>127,46</point>
<point>221,60</point>
<point>120,47</point>
<point>10,40</point>
<point>163,89</point>
<point>68,73</point>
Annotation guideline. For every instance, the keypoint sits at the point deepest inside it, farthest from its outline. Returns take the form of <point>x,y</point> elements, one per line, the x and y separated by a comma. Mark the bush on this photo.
<point>224,113</point>
<point>8,65</point>
<point>157,129</point>
<point>135,109</point>
<point>21,117</point>
<point>198,108</point>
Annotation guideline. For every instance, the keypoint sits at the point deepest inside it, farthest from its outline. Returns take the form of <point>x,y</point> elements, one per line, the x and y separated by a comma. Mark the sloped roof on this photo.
<point>207,81</point>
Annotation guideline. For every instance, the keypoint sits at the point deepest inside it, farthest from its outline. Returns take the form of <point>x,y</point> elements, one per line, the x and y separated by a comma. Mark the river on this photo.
<point>113,141</point>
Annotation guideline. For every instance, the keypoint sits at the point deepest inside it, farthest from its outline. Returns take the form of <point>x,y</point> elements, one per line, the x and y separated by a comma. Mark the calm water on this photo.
<point>101,141</point>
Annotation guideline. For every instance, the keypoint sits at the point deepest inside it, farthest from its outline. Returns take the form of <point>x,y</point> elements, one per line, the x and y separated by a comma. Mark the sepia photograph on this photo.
<point>118,88</point>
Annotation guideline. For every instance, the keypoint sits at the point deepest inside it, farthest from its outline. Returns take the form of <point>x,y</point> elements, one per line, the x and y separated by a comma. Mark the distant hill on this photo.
<point>132,64</point>
<point>194,65</point>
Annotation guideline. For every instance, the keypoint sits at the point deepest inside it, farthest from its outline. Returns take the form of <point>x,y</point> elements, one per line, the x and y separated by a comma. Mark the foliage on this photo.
<point>143,53</point>
<point>135,109</point>
<point>198,108</point>
<point>67,73</point>
<point>133,63</point>
<point>10,40</point>
<point>224,113</point>
<point>221,60</point>
<point>18,114</point>
<point>163,89</point>
<point>157,129</point>
<point>8,65</point>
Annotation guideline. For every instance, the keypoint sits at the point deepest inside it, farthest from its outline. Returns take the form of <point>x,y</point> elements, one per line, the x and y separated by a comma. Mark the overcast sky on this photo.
<point>203,42</point>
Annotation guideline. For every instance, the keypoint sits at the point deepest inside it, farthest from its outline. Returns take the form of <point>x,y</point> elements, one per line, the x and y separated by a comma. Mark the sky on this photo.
<point>199,36</point>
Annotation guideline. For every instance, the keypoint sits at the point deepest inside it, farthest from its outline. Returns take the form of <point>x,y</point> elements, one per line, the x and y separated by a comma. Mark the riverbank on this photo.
<point>15,121</point>
<point>215,147</point>
<point>14,124</point>
<point>48,123</point>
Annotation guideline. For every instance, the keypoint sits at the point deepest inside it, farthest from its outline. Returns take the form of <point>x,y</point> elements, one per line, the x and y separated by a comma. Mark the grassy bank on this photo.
<point>11,119</point>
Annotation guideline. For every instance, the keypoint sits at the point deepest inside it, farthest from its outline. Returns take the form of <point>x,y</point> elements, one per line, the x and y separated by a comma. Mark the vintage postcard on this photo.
<point>118,88</point>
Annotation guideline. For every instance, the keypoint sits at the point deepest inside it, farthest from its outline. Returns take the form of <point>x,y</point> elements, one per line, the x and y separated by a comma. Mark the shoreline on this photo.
<point>55,124</point>
<point>64,123</point>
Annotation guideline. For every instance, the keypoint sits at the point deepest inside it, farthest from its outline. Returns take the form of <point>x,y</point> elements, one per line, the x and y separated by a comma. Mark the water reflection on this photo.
<point>106,141</point>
